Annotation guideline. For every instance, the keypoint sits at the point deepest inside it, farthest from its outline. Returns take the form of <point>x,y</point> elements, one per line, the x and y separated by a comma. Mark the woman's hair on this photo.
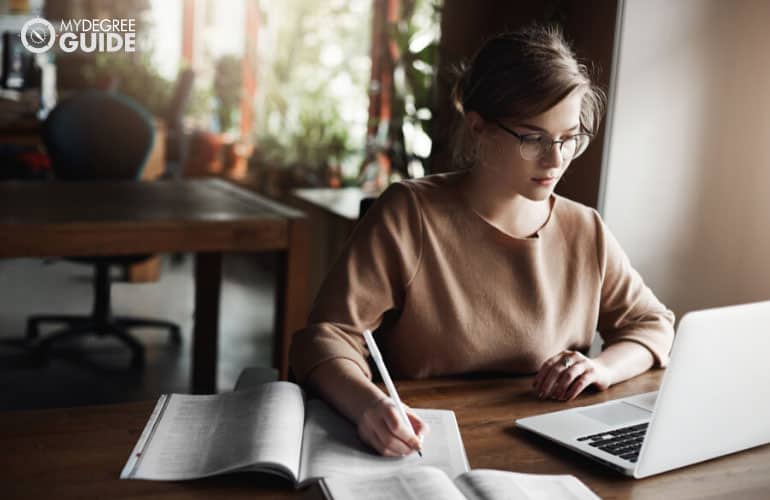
<point>520,75</point>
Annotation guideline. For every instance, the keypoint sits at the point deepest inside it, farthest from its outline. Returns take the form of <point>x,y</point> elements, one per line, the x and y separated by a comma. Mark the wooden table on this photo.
<point>343,203</point>
<point>333,213</point>
<point>208,217</point>
<point>78,453</point>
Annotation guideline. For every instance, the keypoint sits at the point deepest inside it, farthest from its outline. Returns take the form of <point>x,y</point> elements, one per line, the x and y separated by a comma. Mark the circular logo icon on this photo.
<point>37,35</point>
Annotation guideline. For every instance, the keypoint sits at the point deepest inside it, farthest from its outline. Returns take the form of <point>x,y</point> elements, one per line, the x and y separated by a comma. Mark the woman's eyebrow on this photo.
<point>540,129</point>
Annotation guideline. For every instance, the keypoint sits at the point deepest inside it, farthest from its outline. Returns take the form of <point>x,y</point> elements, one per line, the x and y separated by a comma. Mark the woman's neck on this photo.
<point>514,214</point>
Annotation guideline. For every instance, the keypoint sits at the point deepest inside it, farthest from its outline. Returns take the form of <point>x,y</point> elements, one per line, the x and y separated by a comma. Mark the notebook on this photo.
<point>272,428</point>
<point>480,484</point>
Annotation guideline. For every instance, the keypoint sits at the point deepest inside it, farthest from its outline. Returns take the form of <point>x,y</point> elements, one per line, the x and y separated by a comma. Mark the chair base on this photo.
<point>78,326</point>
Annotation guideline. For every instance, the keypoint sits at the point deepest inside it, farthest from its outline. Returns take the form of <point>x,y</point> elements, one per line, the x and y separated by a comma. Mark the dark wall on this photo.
<point>590,26</point>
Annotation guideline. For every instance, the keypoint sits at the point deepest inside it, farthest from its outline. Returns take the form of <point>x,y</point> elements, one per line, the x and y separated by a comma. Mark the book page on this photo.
<point>416,483</point>
<point>331,446</point>
<point>485,484</point>
<point>199,436</point>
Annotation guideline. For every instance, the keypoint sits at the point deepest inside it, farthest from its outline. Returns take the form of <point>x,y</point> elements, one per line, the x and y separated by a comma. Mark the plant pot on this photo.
<point>236,159</point>
<point>204,157</point>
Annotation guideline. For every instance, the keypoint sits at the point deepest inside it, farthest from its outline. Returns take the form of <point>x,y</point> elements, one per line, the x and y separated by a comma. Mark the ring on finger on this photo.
<point>567,362</point>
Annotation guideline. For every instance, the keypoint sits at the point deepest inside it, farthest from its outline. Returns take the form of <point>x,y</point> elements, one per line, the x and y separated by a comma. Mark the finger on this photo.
<point>544,375</point>
<point>418,424</point>
<point>565,379</point>
<point>421,428</point>
<point>554,362</point>
<point>550,380</point>
<point>578,356</point>
<point>373,431</point>
<point>392,442</point>
<point>389,445</point>
<point>410,435</point>
<point>579,385</point>
<point>392,418</point>
<point>397,428</point>
<point>545,368</point>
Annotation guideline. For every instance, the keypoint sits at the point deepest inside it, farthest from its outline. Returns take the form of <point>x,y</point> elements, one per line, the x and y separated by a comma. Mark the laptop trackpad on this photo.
<point>615,414</point>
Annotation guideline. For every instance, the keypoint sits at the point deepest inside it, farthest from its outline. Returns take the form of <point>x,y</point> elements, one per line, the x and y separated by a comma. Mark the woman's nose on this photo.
<point>552,157</point>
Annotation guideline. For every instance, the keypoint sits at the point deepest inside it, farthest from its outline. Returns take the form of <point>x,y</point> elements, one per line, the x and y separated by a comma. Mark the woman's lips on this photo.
<point>544,181</point>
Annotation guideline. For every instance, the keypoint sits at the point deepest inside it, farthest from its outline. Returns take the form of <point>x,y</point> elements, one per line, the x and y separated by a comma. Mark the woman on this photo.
<point>487,269</point>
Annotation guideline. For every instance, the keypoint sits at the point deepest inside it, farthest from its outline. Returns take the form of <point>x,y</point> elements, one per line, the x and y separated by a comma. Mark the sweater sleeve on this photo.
<point>628,310</point>
<point>369,278</point>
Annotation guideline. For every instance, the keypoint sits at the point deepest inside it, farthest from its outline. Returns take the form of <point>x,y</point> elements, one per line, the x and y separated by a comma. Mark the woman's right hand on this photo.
<point>381,428</point>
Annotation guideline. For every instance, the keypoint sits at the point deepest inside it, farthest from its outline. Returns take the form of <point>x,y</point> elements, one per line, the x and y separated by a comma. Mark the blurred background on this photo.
<point>320,104</point>
<point>272,94</point>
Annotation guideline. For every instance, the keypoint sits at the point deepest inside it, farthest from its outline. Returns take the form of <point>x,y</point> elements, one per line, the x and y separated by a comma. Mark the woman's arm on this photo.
<point>369,279</point>
<point>637,329</point>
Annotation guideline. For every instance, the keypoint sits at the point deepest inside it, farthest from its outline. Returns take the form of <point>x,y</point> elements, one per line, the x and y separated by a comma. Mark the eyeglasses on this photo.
<point>536,146</point>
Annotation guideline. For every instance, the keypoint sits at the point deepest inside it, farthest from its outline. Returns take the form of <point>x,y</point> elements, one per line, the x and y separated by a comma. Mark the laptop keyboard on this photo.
<point>624,443</point>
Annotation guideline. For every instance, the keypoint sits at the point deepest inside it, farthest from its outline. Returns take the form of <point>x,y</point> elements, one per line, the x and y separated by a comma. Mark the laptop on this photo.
<point>714,400</point>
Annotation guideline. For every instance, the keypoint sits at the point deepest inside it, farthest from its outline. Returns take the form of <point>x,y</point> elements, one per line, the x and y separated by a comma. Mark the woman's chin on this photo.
<point>540,194</point>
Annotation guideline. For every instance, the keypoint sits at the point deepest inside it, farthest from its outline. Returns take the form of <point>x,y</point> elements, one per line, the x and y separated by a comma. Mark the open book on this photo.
<point>271,428</point>
<point>479,484</point>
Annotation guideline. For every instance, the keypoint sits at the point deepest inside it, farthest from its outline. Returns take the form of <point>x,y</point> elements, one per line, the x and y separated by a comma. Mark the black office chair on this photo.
<point>98,135</point>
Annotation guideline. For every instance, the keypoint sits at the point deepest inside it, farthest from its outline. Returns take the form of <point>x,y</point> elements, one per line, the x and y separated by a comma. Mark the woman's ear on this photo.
<point>476,123</point>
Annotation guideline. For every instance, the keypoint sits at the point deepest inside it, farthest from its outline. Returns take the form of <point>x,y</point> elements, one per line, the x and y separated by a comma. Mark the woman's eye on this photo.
<point>533,139</point>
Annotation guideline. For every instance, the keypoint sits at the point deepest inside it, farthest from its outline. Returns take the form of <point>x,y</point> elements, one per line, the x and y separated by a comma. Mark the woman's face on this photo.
<point>501,158</point>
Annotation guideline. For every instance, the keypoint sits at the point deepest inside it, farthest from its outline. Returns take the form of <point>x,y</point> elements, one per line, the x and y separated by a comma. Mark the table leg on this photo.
<point>291,301</point>
<point>208,283</point>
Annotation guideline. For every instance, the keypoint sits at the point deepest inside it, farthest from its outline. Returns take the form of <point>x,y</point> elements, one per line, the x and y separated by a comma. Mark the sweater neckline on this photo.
<point>500,233</point>
<point>533,239</point>
<point>455,180</point>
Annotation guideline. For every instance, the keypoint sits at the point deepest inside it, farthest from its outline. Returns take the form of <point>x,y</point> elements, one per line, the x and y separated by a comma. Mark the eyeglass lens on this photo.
<point>570,148</point>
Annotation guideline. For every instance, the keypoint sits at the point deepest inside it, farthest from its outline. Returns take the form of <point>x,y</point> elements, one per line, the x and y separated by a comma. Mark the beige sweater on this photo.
<point>458,295</point>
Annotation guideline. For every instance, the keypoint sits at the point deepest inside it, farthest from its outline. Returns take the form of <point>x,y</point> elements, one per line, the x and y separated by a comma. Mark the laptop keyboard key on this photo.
<point>625,442</point>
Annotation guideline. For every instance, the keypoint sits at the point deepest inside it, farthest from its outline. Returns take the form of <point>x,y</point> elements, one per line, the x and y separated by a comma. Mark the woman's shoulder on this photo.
<point>415,196</point>
<point>434,183</point>
<point>577,219</point>
<point>433,189</point>
<point>416,199</point>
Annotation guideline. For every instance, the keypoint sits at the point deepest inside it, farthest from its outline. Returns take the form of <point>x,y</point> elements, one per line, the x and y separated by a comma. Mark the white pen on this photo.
<point>375,352</point>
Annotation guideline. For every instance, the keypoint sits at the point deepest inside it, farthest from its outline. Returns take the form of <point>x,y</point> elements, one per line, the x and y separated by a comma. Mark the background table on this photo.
<point>333,213</point>
<point>79,453</point>
<point>208,217</point>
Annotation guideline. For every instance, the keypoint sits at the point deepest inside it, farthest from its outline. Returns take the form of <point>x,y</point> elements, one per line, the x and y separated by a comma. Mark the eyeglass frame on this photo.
<point>561,142</point>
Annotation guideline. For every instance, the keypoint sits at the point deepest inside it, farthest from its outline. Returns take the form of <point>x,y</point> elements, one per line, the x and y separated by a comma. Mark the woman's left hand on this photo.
<point>567,374</point>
